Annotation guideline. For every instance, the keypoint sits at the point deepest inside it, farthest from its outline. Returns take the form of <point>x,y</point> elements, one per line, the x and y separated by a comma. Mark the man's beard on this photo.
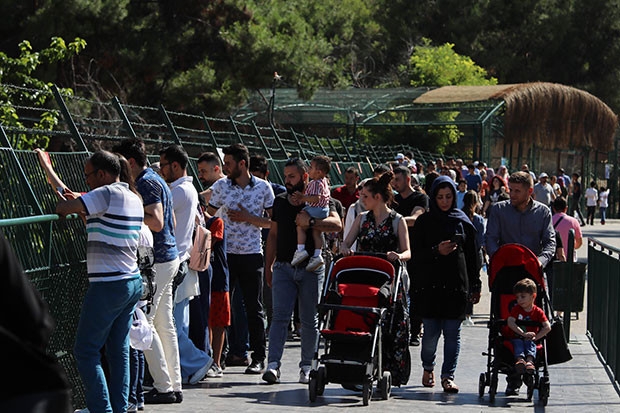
<point>291,189</point>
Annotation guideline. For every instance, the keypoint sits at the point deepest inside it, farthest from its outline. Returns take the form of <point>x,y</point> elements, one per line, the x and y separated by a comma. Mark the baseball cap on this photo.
<point>399,157</point>
<point>543,175</point>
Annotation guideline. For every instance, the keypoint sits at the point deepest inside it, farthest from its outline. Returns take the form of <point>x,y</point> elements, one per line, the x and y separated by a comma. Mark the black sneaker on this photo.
<point>155,397</point>
<point>415,341</point>
<point>256,367</point>
<point>178,396</point>
<point>510,391</point>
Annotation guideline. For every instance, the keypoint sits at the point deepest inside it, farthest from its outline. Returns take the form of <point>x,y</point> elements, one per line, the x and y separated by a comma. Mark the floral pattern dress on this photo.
<point>375,237</point>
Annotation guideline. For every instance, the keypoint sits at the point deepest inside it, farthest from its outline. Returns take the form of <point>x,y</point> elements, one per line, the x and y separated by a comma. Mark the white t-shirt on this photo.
<point>603,196</point>
<point>591,196</point>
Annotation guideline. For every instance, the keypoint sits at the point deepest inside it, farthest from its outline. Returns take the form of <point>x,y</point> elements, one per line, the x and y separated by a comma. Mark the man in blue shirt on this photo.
<point>163,357</point>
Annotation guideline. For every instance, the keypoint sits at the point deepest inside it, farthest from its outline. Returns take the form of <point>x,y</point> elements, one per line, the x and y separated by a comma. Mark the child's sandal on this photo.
<point>530,368</point>
<point>449,386</point>
<point>428,379</point>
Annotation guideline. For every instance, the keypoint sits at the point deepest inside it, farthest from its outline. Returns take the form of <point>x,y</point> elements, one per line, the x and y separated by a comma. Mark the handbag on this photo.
<point>556,345</point>
<point>141,332</point>
<point>200,255</point>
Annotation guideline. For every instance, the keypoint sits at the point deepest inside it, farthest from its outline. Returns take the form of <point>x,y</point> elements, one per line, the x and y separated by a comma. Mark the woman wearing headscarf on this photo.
<point>446,277</point>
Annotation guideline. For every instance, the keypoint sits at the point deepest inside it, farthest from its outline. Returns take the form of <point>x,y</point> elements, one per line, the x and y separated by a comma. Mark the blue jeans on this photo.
<point>192,359</point>
<point>523,348</point>
<point>602,210</point>
<point>288,285</point>
<point>433,328</point>
<point>105,320</point>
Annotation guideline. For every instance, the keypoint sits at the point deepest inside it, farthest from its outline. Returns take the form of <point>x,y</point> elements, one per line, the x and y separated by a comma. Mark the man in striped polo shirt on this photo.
<point>114,215</point>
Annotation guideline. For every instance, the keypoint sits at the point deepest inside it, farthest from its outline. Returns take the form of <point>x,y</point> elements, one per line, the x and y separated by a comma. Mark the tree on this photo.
<point>32,91</point>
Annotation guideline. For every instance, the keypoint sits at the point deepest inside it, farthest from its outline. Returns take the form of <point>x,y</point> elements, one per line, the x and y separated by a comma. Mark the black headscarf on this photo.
<point>453,218</point>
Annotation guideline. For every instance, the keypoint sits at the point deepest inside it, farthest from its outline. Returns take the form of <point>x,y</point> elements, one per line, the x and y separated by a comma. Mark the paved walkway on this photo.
<point>581,385</point>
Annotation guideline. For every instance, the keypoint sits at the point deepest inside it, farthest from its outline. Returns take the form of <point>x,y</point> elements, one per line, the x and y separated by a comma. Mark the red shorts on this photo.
<point>219,312</point>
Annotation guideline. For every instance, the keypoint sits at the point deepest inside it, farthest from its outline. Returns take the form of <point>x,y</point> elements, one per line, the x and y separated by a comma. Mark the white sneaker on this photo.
<point>315,263</point>
<point>468,322</point>
<point>299,256</point>
<point>272,373</point>
<point>215,372</point>
<point>304,375</point>
<point>82,411</point>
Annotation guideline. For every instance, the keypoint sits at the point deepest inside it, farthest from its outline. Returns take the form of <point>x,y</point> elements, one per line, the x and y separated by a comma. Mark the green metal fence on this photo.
<point>53,251</point>
<point>603,303</point>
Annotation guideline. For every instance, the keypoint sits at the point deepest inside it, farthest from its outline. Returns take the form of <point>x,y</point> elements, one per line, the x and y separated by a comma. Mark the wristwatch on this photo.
<point>311,222</point>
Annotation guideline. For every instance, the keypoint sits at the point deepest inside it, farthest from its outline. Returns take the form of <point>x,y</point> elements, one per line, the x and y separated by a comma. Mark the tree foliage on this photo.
<point>33,92</point>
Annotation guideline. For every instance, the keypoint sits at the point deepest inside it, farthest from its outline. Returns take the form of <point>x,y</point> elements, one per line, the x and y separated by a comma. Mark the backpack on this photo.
<point>200,255</point>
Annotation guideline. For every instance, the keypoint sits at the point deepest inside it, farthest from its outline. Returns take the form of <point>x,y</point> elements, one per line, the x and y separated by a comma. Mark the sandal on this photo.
<point>428,379</point>
<point>530,368</point>
<point>449,386</point>
<point>520,366</point>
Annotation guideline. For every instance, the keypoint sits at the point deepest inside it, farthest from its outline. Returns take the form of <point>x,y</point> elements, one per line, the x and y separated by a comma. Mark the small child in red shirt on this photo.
<point>524,343</point>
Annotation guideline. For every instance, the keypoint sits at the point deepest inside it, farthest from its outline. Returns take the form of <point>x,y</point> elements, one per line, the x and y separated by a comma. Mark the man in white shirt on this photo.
<point>173,162</point>
<point>244,199</point>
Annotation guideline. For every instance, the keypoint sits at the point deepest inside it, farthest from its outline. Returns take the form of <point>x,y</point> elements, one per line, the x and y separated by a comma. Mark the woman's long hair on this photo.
<point>471,203</point>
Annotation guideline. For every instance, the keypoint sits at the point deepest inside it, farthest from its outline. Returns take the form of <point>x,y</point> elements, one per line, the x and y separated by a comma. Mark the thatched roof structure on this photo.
<point>549,115</point>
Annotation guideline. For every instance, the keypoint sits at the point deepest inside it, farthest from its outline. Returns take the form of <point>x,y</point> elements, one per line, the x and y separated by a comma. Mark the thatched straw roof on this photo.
<point>549,115</point>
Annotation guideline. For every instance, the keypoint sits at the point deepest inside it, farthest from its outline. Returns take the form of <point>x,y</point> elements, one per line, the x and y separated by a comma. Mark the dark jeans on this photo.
<point>199,313</point>
<point>136,376</point>
<point>248,271</point>
<point>591,211</point>
<point>574,207</point>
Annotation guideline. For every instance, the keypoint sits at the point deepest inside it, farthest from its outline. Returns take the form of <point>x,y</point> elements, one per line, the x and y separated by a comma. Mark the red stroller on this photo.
<point>509,264</point>
<point>362,319</point>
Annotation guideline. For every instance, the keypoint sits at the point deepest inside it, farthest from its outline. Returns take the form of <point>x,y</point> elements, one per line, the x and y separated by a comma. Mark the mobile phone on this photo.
<point>458,238</point>
<point>59,192</point>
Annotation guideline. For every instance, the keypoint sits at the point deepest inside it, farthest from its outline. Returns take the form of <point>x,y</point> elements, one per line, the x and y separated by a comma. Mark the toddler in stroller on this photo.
<point>524,343</point>
<point>520,313</point>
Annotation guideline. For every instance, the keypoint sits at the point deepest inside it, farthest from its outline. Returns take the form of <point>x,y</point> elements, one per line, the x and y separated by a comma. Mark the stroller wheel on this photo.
<point>321,378</point>
<point>367,392</point>
<point>385,385</point>
<point>493,387</point>
<point>312,388</point>
<point>482,382</point>
<point>543,390</point>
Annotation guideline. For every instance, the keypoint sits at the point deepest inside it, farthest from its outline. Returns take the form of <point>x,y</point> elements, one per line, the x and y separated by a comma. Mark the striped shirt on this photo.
<point>318,187</point>
<point>114,216</point>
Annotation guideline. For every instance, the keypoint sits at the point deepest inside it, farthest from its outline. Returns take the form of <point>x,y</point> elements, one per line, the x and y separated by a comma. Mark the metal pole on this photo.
<point>123,115</point>
<point>65,113</point>
<point>571,277</point>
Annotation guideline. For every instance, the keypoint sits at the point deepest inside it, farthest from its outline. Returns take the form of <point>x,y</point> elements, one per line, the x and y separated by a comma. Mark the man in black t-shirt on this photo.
<point>576,199</point>
<point>289,283</point>
<point>410,203</point>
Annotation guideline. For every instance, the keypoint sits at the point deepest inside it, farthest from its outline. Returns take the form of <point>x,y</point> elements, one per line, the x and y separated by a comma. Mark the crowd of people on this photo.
<point>267,265</point>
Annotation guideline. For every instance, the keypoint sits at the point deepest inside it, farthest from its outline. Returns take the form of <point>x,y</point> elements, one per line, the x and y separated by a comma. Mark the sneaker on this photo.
<point>140,406</point>
<point>201,373</point>
<point>132,408</point>
<point>82,411</point>
<point>178,396</point>
<point>299,256</point>
<point>155,397</point>
<point>214,372</point>
<point>255,367</point>
<point>415,341</point>
<point>233,360</point>
<point>304,375</point>
<point>272,373</point>
<point>468,322</point>
<point>511,391</point>
<point>315,263</point>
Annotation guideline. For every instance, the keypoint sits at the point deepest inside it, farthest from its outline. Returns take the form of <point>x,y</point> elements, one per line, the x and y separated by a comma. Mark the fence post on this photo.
<point>65,113</point>
<point>234,125</point>
<point>121,112</point>
<point>177,140</point>
<point>301,149</point>
<point>209,131</point>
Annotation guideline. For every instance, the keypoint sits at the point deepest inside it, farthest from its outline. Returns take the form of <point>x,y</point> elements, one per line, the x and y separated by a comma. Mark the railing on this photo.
<point>603,302</point>
<point>52,252</point>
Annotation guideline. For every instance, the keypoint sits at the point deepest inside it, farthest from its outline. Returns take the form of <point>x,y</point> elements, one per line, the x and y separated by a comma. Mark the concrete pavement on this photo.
<point>581,385</point>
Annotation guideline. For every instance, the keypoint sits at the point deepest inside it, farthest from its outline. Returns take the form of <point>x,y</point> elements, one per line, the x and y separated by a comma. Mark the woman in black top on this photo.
<point>446,276</point>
